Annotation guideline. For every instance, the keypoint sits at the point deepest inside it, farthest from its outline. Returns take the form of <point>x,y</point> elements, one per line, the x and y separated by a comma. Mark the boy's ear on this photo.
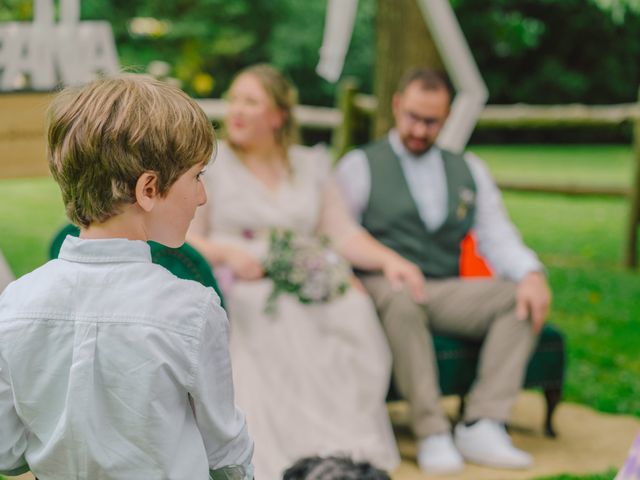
<point>147,191</point>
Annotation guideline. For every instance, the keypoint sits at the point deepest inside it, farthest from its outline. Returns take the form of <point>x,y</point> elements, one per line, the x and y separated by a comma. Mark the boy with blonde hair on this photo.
<point>110,366</point>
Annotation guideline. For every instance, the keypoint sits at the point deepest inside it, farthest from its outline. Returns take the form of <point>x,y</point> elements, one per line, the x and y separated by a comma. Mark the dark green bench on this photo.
<point>457,358</point>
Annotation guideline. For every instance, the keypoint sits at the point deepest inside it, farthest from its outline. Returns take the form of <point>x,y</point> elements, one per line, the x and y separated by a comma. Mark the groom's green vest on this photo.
<point>392,216</point>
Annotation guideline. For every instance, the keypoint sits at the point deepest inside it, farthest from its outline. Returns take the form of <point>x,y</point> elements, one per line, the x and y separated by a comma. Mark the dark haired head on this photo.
<point>333,468</point>
<point>427,78</point>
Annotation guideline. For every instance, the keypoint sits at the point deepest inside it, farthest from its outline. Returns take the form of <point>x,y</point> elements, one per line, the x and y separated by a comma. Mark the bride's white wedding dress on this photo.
<point>311,379</point>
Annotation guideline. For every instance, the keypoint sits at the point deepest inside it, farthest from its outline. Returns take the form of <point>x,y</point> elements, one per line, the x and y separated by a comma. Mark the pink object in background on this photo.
<point>631,468</point>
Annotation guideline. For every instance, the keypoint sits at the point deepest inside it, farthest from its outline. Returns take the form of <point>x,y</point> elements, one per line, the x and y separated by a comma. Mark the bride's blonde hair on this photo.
<point>284,96</point>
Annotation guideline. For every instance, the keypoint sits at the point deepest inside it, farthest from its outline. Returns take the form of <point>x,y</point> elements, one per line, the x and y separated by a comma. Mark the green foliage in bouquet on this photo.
<point>306,267</point>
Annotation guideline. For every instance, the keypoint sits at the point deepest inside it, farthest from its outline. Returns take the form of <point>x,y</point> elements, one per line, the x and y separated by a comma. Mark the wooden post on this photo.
<point>22,136</point>
<point>402,42</point>
<point>343,135</point>
<point>631,252</point>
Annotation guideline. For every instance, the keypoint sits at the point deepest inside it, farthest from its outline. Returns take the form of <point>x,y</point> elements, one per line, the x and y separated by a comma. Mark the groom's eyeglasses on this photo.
<point>429,122</point>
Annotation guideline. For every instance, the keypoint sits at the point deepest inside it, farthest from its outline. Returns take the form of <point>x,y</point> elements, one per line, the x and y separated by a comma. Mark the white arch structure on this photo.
<point>471,91</point>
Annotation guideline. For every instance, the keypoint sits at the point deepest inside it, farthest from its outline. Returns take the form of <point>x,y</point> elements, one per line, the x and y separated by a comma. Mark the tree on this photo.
<point>198,38</point>
<point>403,41</point>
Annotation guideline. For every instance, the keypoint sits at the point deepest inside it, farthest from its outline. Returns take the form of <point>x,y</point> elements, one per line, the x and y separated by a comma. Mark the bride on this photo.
<point>311,378</point>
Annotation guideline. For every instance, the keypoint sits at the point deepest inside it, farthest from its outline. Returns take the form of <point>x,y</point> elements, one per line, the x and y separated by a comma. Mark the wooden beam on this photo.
<point>631,247</point>
<point>573,115</point>
<point>494,116</point>
<point>565,189</point>
<point>318,118</point>
<point>343,134</point>
<point>523,115</point>
<point>22,141</point>
<point>365,103</point>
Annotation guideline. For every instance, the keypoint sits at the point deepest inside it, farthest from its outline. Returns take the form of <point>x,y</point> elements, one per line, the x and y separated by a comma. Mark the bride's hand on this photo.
<point>243,265</point>
<point>400,272</point>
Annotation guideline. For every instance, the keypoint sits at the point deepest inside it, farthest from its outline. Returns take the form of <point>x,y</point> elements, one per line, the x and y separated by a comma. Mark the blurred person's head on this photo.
<point>131,144</point>
<point>420,107</point>
<point>333,468</point>
<point>260,109</point>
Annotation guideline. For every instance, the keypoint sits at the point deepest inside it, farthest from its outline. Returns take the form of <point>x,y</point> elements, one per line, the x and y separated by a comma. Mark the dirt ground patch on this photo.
<point>587,442</point>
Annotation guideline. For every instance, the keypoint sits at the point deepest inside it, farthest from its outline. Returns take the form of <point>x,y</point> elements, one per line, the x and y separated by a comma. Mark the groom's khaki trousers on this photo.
<point>474,309</point>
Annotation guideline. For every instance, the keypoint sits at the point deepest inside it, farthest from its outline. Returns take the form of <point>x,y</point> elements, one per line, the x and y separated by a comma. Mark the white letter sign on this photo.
<point>43,54</point>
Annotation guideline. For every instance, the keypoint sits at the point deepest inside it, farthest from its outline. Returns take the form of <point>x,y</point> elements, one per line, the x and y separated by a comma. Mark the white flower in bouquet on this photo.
<point>305,267</point>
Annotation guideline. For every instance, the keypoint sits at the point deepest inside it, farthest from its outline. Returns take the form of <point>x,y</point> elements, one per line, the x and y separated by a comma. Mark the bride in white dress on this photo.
<point>311,378</point>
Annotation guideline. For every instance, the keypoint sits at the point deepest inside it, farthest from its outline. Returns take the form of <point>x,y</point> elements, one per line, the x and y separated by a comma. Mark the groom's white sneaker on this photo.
<point>438,454</point>
<point>487,442</point>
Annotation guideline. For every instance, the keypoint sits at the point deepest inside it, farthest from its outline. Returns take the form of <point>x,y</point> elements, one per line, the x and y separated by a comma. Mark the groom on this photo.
<point>421,201</point>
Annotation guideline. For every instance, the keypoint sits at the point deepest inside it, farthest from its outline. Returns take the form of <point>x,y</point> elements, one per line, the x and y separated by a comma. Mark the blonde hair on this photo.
<point>284,96</point>
<point>104,135</point>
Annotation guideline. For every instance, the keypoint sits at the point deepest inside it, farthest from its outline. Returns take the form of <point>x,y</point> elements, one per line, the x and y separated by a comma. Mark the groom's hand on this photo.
<point>400,272</point>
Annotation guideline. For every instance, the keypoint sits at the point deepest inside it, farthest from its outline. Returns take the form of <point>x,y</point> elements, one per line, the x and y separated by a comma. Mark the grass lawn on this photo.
<point>579,239</point>
<point>30,211</point>
<point>601,165</point>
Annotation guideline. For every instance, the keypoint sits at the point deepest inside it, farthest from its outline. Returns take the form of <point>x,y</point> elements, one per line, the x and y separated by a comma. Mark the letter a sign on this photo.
<point>44,54</point>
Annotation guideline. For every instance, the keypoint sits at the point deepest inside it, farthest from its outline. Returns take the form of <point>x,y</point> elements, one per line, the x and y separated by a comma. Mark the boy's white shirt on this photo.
<point>100,354</point>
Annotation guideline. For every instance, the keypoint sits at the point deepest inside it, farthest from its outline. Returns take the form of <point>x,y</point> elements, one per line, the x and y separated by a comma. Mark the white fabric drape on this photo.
<point>338,27</point>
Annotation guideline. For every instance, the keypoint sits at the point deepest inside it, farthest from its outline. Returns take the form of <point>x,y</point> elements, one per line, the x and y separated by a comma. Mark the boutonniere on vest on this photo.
<point>466,199</point>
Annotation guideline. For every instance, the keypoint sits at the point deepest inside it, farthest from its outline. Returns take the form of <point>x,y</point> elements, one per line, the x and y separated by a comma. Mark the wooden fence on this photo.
<point>22,141</point>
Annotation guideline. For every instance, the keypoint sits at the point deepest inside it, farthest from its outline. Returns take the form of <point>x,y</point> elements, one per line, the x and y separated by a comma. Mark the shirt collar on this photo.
<point>400,150</point>
<point>110,250</point>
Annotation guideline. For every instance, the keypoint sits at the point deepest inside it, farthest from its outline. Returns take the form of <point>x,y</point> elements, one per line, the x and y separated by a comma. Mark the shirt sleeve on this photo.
<point>498,239</point>
<point>354,181</point>
<point>222,425</point>
<point>13,434</point>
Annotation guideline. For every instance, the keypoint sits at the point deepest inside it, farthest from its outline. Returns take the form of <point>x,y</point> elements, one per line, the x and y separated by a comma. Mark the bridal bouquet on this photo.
<point>304,267</point>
